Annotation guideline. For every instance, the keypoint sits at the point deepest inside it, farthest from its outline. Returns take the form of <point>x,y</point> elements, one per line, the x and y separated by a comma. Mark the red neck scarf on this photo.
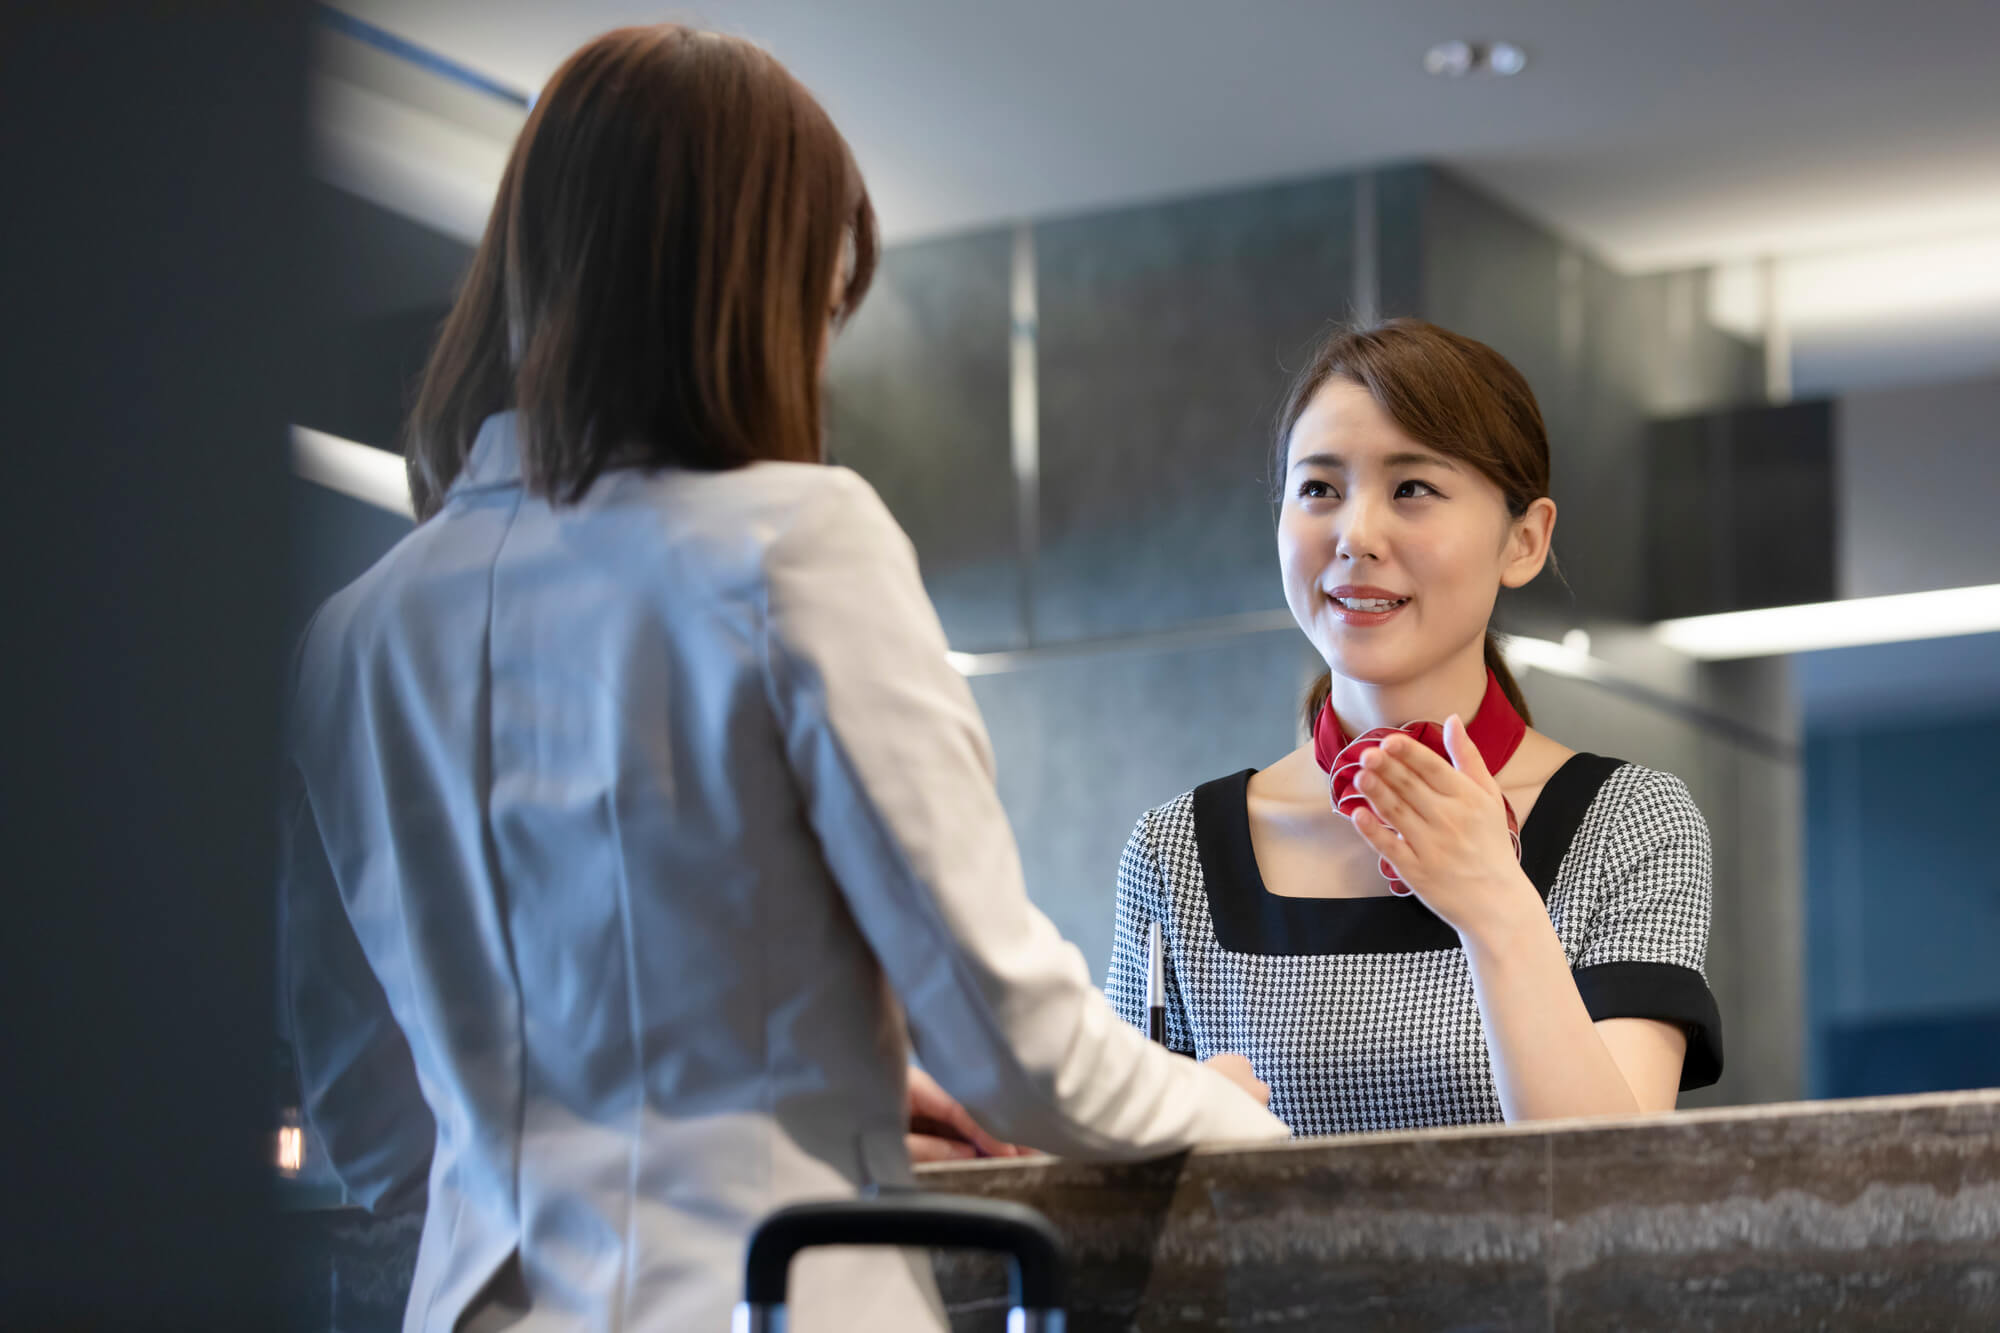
<point>1496,732</point>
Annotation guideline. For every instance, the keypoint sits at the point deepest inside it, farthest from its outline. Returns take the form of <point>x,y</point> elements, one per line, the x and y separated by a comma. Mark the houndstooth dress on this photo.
<point>1359,1012</point>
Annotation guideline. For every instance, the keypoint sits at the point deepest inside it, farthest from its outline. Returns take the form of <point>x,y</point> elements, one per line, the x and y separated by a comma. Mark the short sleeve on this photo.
<point>1644,952</point>
<point>1142,901</point>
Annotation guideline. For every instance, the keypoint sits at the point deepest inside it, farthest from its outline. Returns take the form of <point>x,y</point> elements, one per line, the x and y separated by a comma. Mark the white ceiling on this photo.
<point>1661,133</point>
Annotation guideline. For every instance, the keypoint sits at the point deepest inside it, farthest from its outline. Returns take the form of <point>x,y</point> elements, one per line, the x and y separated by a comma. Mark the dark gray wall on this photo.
<point>1918,481</point>
<point>335,538</point>
<point>1168,336</point>
<point>377,286</point>
<point>917,403</point>
<point>151,288</point>
<point>1739,510</point>
<point>1603,352</point>
<point>380,285</point>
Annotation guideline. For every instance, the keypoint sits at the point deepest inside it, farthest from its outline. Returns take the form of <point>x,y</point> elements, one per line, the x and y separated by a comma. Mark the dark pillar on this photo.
<point>152,164</point>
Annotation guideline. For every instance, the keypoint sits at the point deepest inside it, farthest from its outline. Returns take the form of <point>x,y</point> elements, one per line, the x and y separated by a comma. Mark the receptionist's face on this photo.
<point>1392,553</point>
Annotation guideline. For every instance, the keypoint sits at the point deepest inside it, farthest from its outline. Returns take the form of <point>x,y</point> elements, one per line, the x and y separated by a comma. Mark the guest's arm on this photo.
<point>897,777</point>
<point>362,1101</point>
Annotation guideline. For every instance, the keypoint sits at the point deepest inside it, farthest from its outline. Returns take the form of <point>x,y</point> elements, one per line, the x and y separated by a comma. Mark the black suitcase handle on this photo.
<point>1037,1275</point>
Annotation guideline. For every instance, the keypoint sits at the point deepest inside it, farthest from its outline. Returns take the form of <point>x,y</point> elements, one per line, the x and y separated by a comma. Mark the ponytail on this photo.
<point>1316,698</point>
<point>1508,686</point>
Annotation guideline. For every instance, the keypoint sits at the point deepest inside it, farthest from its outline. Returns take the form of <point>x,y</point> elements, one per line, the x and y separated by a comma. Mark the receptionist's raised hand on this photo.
<point>1443,826</point>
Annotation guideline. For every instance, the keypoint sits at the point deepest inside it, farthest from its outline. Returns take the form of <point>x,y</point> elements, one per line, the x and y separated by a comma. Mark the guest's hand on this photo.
<point>1443,826</point>
<point>942,1131</point>
<point>1236,1068</point>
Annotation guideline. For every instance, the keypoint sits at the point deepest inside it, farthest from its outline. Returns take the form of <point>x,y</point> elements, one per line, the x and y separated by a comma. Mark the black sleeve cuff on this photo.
<point>1664,991</point>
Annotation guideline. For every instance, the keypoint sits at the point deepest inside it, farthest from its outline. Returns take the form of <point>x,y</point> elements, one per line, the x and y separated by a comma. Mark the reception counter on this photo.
<point>1882,1213</point>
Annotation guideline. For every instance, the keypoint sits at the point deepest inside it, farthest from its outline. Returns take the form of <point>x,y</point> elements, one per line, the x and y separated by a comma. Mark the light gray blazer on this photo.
<point>620,840</point>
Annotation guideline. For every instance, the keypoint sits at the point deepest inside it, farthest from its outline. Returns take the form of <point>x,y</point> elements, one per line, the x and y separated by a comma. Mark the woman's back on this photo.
<point>631,792</point>
<point>541,747</point>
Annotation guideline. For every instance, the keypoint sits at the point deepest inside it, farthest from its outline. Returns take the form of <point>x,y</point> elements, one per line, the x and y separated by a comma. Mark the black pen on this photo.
<point>1156,985</point>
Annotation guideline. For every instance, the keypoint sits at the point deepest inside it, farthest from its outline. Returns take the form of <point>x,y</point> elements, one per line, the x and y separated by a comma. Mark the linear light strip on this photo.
<point>1571,660</point>
<point>1778,630</point>
<point>421,56</point>
<point>1196,635</point>
<point>1024,421</point>
<point>1367,277</point>
<point>362,472</point>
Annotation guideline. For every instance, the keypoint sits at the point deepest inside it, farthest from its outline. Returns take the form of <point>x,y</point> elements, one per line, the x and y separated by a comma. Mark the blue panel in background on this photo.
<point>1903,905</point>
<point>1943,1054</point>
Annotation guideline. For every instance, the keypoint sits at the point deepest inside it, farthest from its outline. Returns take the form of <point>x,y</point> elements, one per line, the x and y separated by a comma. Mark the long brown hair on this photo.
<point>1449,393</point>
<point>655,279</point>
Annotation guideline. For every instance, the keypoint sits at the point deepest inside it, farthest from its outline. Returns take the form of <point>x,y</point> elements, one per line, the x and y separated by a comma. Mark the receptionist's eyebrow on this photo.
<point>1336,463</point>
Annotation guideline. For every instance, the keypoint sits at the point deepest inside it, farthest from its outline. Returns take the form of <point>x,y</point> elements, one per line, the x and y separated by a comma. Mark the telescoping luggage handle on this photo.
<point>1036,1274</point>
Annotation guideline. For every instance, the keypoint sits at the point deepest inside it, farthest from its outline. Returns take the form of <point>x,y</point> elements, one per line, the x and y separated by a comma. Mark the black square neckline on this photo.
<point>1249,918</point>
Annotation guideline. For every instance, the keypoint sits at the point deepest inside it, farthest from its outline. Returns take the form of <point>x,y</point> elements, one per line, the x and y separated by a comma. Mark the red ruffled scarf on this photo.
<point>1496,732</point>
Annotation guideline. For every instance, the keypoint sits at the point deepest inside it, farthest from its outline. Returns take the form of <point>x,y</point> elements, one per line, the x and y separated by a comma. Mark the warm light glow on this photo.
<point>372,476</point>
<point>1570,658</point>
<point>1858,620</point>
<point>1930,278</point>
<point>291,1149</point>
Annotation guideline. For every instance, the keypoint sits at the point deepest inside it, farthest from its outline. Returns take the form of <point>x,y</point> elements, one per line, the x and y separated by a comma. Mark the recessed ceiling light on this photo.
<point>1777,630</point>
<point>1449,60</point>
<point>1457,58</point>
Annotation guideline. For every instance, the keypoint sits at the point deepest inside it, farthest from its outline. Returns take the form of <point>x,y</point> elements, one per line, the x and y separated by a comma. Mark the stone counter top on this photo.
<point>1876,1214</point>
<point>1883,1213</point>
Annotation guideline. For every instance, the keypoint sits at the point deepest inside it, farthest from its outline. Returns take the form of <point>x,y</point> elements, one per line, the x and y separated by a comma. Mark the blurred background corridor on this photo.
<point>1748,257</point>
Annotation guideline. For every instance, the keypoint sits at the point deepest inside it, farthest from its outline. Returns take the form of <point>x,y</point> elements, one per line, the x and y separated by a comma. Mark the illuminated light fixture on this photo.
<point>1858,620</point>
<point>372,476</point>
<point>291,1149</point>
<point>1458,58</point>
<point>1197,634</point>
<point>1569,658</point>
<point>1844,289</point>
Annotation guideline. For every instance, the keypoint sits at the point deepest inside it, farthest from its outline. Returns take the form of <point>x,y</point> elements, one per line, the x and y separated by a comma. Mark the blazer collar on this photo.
<point>495,459</point>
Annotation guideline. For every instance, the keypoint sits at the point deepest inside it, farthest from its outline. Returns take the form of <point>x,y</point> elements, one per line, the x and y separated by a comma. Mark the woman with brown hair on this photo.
<point>636,826</point>
<point>1429,914</point>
